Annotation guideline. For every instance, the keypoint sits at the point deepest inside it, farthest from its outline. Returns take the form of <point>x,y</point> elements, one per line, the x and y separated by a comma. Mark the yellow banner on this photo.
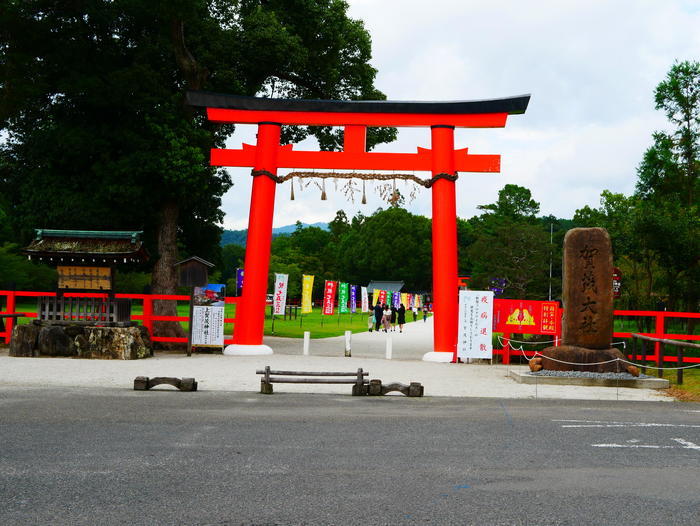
<point>307,285</point>
<point>404,299</point>
<point>375,297</point>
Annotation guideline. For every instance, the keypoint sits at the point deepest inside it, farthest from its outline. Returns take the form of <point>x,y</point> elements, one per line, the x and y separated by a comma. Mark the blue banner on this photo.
<point>239,281</point>
<point>353,299</point>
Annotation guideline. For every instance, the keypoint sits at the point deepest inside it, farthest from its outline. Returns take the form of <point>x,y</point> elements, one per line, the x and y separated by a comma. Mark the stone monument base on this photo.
<point>584,356</point>
<point>44,338</point>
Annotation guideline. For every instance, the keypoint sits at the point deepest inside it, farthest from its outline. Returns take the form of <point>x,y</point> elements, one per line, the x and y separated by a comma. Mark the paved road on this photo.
<point>87,456</point>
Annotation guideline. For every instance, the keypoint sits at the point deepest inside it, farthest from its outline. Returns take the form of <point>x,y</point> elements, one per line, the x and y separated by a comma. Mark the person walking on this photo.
<point>378,314</point>
<point>393,318</point>
<point>386,318</point>
<point>425,313</point>
<point>401,317</point>
<point>370,322</point>
<point>415,313</point>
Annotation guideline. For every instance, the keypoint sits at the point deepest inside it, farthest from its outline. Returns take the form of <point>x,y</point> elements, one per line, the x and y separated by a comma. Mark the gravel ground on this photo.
<point>588,374</point>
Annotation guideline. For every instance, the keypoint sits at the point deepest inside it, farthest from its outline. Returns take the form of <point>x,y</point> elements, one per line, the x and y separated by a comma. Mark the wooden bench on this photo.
<point>357,379</point>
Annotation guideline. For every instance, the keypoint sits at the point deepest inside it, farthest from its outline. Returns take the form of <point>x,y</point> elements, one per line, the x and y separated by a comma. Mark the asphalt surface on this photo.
<point>115,456</point>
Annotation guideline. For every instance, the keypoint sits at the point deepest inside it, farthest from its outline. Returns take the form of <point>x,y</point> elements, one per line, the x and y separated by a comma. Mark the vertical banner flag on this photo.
<point>382,297</point>
<point>404,299</point>
<point>208,316</point>
<point>353,299</point>
<point>418,301</point>
<point>343,298</point>
<point>329,296</point>
<point>395,299</point>
<point>365,299</point>
<point>475,324</point>
<point>410,301</point>
<point>307,285</point>
<point>279,297</point>
<point>375,297</point>
<point>239,281</point>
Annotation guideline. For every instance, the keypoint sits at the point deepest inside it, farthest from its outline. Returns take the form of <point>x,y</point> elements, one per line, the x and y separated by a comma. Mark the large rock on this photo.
<point>115,343</point>
<point>587,289</point>
<point>53,341</point>
<point>24,341</point>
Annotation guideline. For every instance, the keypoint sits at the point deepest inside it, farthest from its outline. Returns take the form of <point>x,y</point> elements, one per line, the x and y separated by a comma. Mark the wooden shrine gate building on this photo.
<point>267,156</point>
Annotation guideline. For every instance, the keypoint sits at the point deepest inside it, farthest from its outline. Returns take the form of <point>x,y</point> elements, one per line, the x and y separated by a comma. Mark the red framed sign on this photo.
<point>526,317</point>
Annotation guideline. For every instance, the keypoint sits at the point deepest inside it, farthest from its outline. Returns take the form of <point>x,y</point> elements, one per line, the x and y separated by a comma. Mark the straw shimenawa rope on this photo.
<point>353,175</point>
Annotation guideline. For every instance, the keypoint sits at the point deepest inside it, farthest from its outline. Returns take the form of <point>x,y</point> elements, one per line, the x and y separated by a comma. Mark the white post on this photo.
<point>388,347</point>
<point>307,338</point>
<point>348,340</point>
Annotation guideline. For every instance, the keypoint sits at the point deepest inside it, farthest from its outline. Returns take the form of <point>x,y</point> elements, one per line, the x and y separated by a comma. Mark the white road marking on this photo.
<point>600,423</point>
<point>687,444</point>
<point>635,446</point>
<point>684,444</point>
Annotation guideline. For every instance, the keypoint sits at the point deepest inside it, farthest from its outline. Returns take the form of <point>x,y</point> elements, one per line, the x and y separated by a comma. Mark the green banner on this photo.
<point>343,298</point>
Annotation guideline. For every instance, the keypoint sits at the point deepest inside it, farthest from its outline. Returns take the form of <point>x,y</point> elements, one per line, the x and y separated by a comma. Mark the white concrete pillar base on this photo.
<point>247,350</point>
<point>440,357</point>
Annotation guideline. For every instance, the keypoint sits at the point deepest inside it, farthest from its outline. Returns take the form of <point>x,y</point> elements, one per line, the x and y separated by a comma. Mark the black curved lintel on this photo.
<point>510,105</point>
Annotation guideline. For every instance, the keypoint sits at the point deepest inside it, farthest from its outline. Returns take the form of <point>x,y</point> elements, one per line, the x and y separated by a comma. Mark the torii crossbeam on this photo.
<point>354,116</point>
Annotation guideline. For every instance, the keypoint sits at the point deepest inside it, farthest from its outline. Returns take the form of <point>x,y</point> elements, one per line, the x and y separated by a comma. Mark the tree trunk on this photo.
<point>164,278</point>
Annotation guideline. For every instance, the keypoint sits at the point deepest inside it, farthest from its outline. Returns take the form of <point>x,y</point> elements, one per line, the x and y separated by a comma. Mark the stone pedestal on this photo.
<point>587,325</point>
<point>42,338</point>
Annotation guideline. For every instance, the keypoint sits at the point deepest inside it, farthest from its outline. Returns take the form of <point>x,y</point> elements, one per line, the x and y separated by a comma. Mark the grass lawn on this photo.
<point>320,326</point>
<point>690,390</point>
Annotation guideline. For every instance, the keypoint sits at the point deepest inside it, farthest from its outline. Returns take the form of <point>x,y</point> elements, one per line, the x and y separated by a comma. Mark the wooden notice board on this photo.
<point>90,278</point>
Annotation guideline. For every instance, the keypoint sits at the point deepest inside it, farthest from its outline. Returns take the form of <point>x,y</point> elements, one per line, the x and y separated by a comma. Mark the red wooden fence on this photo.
<point>147,317</point>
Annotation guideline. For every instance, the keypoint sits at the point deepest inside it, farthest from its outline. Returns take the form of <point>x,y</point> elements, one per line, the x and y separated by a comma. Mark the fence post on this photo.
<point>148,314</point>
<point>659,348</point>
<point>348,340</point>
<point>9,322</point>
<point>307,339</point>
<point>505,357</point>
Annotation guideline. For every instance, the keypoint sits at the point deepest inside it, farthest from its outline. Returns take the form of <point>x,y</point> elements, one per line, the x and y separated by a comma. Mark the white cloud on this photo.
<point>591,67</point>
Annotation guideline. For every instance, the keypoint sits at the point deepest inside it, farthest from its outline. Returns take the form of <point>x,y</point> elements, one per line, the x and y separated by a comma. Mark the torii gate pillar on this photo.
<point>250,311</point>
<point>445,306</point>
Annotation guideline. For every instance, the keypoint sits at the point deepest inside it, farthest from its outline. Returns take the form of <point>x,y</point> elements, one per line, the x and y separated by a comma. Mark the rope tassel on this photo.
<point>292,197</point>
<point>323,192</point>
<point>364,195</point>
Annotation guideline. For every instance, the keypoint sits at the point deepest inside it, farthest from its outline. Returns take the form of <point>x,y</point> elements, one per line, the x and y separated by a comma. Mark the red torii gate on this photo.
<point>442,159</point>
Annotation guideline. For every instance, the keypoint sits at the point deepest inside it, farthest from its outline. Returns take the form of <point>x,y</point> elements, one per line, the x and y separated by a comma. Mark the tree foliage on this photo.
<point>92,98</point>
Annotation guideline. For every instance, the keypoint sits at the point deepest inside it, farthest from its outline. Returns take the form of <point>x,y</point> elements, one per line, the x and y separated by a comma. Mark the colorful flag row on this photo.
<point>347,296</point>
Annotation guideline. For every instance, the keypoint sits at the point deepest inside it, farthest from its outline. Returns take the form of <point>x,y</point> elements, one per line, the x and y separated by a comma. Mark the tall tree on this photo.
<point>98,137</point>
<point>667,219</point>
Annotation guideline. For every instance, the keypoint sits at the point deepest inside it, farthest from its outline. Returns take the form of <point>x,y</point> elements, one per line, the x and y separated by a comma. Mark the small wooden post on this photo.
<point>679,371</point>
<point>265,384</point>
<point>189,328</point>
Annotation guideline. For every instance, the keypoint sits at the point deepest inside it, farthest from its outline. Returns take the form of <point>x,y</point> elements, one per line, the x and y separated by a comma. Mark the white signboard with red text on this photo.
<point>475,324</point>
<point>279,296</point>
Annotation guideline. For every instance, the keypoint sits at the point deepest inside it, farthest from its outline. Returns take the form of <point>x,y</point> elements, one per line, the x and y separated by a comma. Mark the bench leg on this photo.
<point>359,389</point>
<point>265,387</point>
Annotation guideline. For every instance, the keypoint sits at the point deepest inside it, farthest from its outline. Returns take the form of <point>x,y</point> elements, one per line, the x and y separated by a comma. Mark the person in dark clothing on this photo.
<point>393,318</point>
<point>378,313</point>
<point>401,315</point>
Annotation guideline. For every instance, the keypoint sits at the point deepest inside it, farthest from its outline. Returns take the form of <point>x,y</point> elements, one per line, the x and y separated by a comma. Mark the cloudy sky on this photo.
<point>591,67</point>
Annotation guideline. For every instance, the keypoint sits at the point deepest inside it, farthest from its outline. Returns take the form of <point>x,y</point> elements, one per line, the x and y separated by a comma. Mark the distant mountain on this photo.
<point>238,237</point>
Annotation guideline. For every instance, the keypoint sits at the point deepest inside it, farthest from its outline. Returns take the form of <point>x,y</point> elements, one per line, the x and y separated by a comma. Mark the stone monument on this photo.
<point>587,325</point>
